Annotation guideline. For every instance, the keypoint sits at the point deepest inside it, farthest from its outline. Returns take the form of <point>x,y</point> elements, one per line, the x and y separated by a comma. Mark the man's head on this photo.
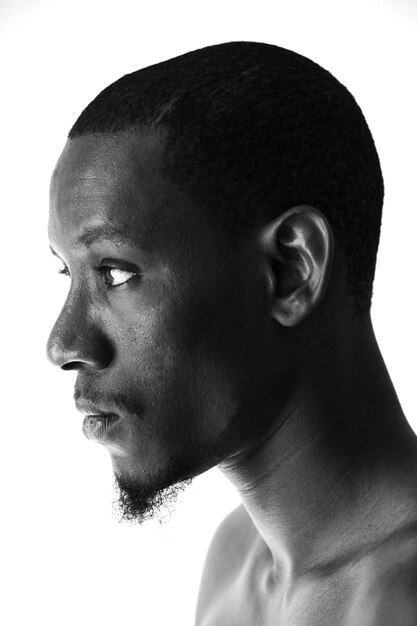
<point>197,205</point>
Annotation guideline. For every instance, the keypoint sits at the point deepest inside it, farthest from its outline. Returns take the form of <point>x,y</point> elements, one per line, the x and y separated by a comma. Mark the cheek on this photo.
<point>174,359</point>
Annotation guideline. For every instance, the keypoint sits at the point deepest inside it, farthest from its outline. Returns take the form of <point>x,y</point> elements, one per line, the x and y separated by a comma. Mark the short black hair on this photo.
<point>252,130</point>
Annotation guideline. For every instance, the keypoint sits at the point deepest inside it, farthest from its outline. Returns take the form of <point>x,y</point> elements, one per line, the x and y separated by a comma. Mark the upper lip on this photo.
<point>88,408</point>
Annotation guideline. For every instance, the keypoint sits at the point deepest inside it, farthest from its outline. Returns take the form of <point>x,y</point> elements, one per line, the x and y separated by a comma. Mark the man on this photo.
<point>219,217</point>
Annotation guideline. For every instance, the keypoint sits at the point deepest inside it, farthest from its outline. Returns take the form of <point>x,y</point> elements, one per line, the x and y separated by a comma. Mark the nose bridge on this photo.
<point>77,337</point>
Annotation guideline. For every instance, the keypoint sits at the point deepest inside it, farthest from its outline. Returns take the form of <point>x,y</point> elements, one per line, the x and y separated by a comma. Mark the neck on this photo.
<point>333,477</point>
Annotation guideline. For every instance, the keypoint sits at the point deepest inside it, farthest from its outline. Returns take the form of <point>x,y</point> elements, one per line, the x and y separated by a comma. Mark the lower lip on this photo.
<point>99,427</point>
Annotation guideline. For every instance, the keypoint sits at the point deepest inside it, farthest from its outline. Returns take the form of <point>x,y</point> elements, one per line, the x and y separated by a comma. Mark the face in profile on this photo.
<point>163,321</point>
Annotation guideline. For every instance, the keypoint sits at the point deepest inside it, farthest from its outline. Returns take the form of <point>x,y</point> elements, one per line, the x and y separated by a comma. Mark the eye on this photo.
<point>64,270</point>
<point>115,276</point>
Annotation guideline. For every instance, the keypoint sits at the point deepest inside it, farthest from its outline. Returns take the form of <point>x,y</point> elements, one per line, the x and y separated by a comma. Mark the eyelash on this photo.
<point>102,269</point>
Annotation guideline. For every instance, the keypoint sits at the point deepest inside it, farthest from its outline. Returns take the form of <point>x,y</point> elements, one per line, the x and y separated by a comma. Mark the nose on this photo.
<point>77,341</point>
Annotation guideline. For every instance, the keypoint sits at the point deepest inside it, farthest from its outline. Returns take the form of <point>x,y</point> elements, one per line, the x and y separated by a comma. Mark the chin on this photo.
<point>149,490</point>
<point>138,501</point>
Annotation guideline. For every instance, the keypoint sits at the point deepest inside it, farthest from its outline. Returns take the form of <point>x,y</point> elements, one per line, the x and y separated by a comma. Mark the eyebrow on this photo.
<point>109,232</point>
<point>90,234</point>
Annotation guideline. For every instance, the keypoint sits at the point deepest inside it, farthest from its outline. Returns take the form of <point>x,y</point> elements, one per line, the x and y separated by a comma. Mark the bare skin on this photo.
<point>377,586</point>
<point>327,532</point>
<point>249,358</point>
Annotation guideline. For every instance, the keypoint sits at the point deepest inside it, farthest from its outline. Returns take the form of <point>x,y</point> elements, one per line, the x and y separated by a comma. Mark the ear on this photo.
<point>298,248</point>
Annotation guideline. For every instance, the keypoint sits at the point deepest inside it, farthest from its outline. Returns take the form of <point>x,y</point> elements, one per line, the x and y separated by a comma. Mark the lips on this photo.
<point>99,427</point>
<point>90,408</point>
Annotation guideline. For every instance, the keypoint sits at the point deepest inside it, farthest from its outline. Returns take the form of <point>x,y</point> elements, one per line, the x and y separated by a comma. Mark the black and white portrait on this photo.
<point>209,313</point>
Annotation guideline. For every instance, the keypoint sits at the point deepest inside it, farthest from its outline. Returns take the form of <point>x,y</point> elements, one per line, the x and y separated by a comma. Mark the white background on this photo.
<point>64,558</point>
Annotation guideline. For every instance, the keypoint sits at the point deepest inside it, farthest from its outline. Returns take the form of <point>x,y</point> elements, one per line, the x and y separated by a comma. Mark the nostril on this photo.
<point>70,349</point>
<point>71,366</point>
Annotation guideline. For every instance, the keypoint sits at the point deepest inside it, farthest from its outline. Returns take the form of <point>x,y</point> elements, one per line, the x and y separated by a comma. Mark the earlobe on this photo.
<point>299,251</point>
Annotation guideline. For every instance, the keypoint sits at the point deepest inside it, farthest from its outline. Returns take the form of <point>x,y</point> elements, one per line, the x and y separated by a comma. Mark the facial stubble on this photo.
<point>136,503</point>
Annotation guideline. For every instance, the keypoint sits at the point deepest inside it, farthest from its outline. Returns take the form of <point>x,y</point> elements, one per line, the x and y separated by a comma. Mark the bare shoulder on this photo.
<point>391,599</point>
<point>398,585</point>
<point>396,602</point>
<point>225,557</point>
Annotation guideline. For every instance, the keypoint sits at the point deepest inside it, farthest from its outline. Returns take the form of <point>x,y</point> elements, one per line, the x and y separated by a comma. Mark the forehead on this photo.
<point>111,187</point>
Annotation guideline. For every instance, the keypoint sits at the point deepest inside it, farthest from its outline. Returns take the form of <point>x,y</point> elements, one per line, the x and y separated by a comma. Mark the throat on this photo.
<point>335,476</point>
